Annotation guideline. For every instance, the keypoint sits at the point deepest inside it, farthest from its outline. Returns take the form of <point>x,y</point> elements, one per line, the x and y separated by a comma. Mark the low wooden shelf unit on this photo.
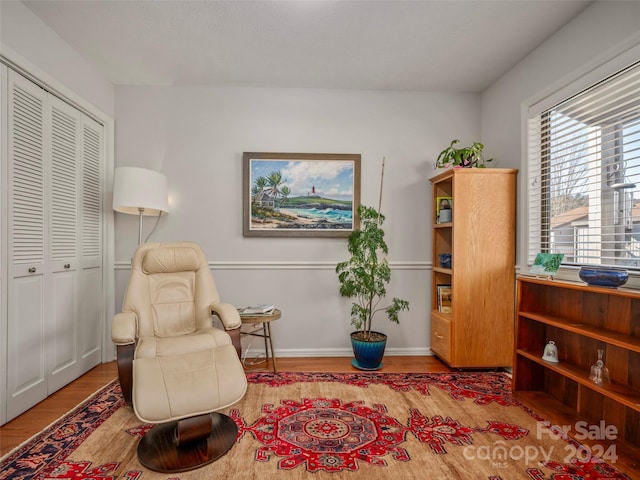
<point>580,319</point>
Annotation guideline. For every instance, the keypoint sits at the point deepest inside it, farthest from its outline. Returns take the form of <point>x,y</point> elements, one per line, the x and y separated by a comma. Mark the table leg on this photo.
<point>273,355</point>
<point>264,336</point>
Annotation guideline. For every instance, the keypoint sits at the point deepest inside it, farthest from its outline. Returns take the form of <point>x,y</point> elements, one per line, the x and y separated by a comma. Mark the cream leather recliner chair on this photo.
<point>174,366</point>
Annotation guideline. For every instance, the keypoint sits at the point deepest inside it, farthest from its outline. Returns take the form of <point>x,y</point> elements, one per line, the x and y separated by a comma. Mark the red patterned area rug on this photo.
<point>328,425</point>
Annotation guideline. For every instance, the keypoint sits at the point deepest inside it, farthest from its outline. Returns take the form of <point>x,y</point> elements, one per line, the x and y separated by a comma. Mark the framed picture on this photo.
<point>546,264</point>
<point>444,203</point>
<point>300,194</point>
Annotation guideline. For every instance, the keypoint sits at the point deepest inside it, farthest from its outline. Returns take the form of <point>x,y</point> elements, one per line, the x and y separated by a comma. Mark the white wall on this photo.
<point>24,37</point>
<point>197,135</point>
<point>602,31</point>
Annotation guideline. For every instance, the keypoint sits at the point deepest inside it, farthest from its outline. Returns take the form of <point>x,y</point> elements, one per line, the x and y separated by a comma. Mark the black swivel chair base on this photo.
<point>187,444</point>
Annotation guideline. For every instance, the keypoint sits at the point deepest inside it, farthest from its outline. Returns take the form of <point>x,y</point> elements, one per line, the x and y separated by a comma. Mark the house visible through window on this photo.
<point>584,175</point>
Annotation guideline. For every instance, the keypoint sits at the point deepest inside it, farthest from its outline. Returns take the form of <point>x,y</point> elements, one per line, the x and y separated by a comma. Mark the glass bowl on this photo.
<point>604,276</point>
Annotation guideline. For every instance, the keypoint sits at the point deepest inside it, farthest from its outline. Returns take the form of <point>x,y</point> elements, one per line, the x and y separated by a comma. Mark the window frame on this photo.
<point>582,79</point>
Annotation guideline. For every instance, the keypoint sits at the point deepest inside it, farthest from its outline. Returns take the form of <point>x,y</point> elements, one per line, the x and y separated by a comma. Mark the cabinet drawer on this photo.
<point>441,337</point>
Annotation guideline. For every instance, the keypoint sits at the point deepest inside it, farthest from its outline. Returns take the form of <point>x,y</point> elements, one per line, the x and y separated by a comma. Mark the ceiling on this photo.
<point>451,45</point>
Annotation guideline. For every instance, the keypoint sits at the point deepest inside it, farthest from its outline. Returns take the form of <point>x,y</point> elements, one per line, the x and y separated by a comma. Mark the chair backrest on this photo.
<point>171,289</point>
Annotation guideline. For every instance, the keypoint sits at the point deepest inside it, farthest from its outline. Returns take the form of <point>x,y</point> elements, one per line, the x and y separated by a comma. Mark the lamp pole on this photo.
<point>140,212</point>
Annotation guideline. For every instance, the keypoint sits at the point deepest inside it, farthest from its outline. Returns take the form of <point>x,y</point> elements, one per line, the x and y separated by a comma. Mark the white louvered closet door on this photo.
<point>55,244</point>
<point>26,359</point>
<point>90,301</point>
<point>62,245</point>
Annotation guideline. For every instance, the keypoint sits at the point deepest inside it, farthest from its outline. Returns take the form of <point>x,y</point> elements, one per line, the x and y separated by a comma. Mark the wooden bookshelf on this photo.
<point>478,332</point>
<point>580,319</point>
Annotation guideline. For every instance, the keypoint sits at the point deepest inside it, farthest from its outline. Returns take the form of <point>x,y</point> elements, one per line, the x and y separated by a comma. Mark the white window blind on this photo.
<point>584,175</point>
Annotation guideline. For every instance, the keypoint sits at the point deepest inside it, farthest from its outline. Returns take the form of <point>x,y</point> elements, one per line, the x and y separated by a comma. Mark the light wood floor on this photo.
<point>49,410</point>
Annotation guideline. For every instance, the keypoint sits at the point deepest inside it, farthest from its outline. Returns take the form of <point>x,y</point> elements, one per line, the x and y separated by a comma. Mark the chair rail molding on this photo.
<point>288,265</point>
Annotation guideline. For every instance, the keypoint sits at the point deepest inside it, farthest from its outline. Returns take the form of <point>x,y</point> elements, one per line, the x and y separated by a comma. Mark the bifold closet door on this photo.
<point>28,217</point>
<point>90,300</point>
<point>55,244</point>
<point>61,289</point>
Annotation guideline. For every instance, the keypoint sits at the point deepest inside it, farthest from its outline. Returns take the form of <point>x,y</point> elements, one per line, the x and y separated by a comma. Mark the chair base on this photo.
<point>159,449</point>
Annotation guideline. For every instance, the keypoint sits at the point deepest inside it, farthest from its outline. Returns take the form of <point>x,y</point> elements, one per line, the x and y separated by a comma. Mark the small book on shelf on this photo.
<point>258,309</point>
<point>444,298</point>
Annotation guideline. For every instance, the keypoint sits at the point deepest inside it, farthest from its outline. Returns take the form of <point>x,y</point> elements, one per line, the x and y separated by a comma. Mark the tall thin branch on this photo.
<point>381,183</point>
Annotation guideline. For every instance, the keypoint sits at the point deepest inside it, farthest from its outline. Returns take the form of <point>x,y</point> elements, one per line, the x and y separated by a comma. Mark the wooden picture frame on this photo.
<point>443,202</point>
<point>300,194</point>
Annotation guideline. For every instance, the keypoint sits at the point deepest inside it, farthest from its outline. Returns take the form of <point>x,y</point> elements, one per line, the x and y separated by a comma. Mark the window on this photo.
<point>584,175</point>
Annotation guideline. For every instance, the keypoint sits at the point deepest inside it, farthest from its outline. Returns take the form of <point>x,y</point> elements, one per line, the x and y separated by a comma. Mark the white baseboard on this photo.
<point>333,352</point>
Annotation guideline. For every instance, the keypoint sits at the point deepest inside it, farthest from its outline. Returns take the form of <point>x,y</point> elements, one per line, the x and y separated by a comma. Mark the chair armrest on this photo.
<point>228,315</point>
<point>123,328</point>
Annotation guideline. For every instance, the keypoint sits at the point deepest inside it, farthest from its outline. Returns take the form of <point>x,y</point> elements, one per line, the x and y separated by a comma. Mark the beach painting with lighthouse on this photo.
<point>300,194</point>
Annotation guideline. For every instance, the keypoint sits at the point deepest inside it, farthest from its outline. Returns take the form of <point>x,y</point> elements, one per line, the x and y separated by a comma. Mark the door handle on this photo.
<point>32,270</point>
<point>67,265</point>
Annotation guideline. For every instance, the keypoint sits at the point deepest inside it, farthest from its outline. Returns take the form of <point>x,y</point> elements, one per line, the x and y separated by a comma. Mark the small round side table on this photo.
<point>262,328</point>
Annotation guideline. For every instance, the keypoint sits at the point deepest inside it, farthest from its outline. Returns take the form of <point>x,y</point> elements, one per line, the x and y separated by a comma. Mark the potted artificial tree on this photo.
<point>364,277</point>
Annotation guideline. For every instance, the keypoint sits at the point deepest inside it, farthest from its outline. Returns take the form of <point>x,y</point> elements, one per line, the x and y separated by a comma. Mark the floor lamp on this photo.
<point>142,192</point>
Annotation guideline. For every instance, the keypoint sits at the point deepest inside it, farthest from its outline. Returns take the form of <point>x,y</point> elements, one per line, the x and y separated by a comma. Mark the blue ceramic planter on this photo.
<point>604,276</point>
<point>368,354</point>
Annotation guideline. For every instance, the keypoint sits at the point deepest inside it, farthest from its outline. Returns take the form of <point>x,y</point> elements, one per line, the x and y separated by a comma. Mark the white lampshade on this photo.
<point>140,191</point>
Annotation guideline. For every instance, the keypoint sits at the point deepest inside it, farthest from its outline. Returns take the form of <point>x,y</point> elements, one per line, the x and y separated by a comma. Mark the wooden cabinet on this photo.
<point>477,330</point>
<point>580,319</point>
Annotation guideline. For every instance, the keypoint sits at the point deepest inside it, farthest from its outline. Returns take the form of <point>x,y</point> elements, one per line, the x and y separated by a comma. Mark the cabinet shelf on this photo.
<point>582,287</point>
<point>619,339</point>
<point>446,271</point>
<point>616,391</point>
<point>443,315</point>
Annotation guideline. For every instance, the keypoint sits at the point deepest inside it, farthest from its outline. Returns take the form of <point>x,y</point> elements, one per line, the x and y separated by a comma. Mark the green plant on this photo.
<point>462,157</point>
<point>365,275</point>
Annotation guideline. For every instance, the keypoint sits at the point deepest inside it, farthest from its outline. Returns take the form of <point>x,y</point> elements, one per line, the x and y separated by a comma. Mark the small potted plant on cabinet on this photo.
<point>462,157</point>
<point>364,277</point>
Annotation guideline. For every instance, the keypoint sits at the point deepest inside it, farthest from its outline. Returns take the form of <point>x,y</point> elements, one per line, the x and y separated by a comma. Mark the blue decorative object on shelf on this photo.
<point>604,276</point>
<point>445,260</point>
